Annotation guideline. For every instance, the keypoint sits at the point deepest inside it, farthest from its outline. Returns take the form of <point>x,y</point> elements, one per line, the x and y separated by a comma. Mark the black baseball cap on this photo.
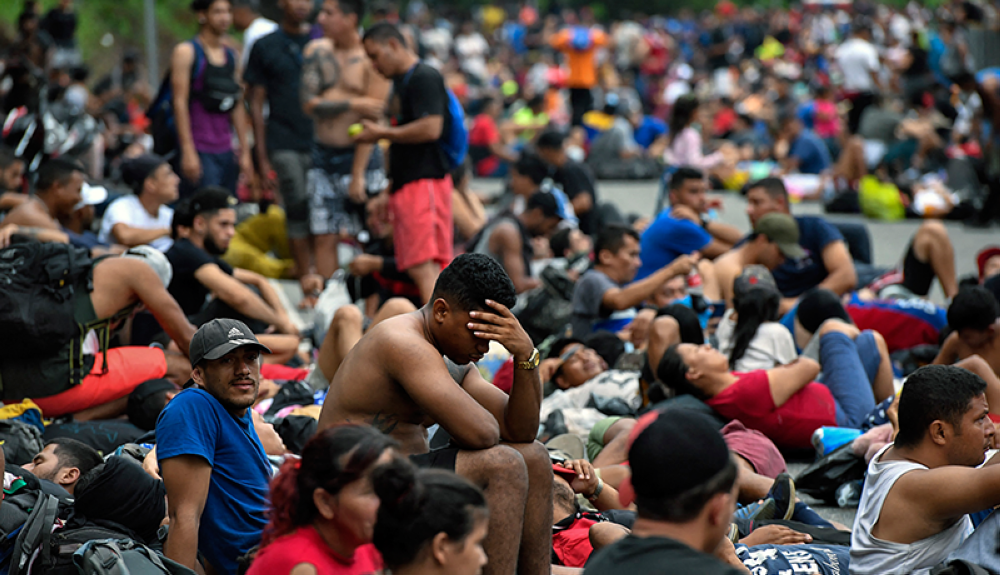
<point>145,402</point>
<point>219,337</point>
<point>671,451</point>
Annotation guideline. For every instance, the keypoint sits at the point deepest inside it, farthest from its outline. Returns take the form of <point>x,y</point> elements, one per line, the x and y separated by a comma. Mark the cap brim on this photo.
<point>221,350</point>
<point>793,251</point>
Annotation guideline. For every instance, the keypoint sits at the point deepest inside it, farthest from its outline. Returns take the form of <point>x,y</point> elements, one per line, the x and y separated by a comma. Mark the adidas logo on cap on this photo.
<point>235,333</point>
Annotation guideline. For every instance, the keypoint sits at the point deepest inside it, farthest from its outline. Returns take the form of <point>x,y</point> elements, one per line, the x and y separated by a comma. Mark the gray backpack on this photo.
<point>123,557</point>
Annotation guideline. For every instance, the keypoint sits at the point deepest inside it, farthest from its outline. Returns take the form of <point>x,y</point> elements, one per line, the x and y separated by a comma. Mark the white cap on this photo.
<point>92,195</point>
<point>155,259</point>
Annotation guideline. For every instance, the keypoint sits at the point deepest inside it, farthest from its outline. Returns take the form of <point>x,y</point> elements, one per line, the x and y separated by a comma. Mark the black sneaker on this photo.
<point>783,494</point>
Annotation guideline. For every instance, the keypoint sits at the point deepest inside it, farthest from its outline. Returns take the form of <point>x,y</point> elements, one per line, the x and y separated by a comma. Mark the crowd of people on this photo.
<point>532,382</point>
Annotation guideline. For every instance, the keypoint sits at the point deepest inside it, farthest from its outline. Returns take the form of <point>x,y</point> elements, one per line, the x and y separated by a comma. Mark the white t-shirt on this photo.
<point>472,51</point>
<point>770,347</point>
<point>857,60</point>
<point>127,210</point>
<point>258,29</point>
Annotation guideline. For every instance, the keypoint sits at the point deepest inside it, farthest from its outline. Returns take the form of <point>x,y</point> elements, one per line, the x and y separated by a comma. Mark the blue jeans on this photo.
<point>216,170</point>
<point>849,366</point>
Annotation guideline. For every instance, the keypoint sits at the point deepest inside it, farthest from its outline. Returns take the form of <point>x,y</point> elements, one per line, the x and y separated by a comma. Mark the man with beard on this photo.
<point>211,460</point>
<point>63,461</point>
<point>202,229</point>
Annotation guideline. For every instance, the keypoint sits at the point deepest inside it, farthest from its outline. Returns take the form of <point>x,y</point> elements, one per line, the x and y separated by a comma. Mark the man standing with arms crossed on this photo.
<point>339,88</point>
<point>420,190</point>
<point>284,139</point>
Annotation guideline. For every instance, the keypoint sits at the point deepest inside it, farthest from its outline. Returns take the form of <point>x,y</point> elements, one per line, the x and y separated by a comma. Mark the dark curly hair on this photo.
<point>333,458</point>
<point>973,308</point>
<point>471,279</point>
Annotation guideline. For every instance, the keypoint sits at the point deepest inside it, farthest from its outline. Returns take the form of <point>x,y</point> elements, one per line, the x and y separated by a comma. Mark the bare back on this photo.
<point>31,214</point>
<point>339,75</point>
<point>378,379</point>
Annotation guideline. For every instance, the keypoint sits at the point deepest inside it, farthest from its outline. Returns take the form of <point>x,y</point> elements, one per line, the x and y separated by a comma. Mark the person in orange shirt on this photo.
<point>580,44</point>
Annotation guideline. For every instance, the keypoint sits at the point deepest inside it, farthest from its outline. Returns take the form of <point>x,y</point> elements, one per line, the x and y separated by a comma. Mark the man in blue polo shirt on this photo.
<point>211,460</point>
<point>682,229</point>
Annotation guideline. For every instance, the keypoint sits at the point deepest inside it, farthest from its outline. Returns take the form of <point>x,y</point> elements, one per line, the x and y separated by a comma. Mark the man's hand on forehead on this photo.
<point>499,324</point>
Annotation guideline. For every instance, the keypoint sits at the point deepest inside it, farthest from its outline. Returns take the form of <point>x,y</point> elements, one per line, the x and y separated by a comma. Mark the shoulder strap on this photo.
<point>200,60</point>
<point>35,532</point>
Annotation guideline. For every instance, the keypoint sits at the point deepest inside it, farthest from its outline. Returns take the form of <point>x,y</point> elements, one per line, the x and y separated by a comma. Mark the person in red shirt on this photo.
<point>486,142</point>
<point>323,507</point>
<point>784,403</point>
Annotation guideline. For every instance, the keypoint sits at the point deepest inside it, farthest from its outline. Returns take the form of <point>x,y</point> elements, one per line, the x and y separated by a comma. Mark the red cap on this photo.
<point>984,256</point>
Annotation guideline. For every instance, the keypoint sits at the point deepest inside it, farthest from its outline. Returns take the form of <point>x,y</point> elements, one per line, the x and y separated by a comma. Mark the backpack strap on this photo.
<point>199,64</point>
<point>36,532</point>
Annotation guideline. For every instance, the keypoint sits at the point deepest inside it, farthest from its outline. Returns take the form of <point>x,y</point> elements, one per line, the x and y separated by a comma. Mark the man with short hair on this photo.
<point>414,370</point>
<point>974,317</point>
<point>920,489</point>
<point>420,193</point>
<point>211,459</point>
<point>144,217</point>
<point>63,462</point>
<point>339,89</point>
<point>826,262</point>
<point>57,193</point>
<point>775,237</point>
<point>603,297</point>
<point>507,238</point>
<point>575,179</point>
<point>682,229</point>
<point>860,64</point>
<point>682,518</point>
<point>207,118</point>
<point>253,26</point>
<point>283,138</point>
<point>210,219</point>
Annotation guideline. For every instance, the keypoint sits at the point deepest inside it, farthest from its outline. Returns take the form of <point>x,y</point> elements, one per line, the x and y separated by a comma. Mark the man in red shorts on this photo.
<point>120,284</point>
<point>420,190</point>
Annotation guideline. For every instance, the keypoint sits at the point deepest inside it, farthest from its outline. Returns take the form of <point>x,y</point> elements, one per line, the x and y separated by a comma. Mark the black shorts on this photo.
<point>917,275</point>
<point>443,458</point>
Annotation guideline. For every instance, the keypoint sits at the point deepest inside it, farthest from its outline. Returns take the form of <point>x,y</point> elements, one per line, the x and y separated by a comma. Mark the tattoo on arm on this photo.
<point>320,71</point>
<point>384,423</point>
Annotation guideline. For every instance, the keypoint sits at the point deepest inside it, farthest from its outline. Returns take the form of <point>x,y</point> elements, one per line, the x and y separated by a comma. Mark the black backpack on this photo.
<point>124,557</point>
<point>39,550</point>
<point>38,283</point>
<point>44,290</point>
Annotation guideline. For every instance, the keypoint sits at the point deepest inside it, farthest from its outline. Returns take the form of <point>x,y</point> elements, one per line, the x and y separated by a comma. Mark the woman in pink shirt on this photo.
<point>323,507</point>
<point>684,143</point>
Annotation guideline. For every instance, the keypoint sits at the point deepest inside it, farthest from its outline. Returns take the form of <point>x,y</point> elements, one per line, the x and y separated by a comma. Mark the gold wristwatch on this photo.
<point>532,362</point>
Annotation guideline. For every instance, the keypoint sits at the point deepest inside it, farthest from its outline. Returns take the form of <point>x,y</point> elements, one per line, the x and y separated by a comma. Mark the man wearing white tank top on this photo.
<point>920,490</point>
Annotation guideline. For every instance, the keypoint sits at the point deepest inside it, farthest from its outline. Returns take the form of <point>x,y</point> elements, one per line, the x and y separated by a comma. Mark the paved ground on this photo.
<point>889,241</point>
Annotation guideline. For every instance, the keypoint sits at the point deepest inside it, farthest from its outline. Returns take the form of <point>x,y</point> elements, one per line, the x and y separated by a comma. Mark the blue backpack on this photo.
<point>581,40</point>
<point>454,139</point>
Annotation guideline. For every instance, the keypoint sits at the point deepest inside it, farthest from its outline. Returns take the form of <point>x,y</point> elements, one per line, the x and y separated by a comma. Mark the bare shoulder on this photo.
<point>318,45</point>
<point>400,334</point>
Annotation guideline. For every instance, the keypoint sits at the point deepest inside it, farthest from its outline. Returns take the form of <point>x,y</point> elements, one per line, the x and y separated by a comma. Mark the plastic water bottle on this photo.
<point>849,494</point>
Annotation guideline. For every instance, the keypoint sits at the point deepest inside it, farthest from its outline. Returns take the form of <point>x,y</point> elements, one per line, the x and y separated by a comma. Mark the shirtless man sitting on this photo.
<point>58,190</point>
<point>775,237</point>
<point>974,315</point>
<point>138,277</point>
<point>401,377</point>
<point>920,489</point>
<point>340,88</point>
